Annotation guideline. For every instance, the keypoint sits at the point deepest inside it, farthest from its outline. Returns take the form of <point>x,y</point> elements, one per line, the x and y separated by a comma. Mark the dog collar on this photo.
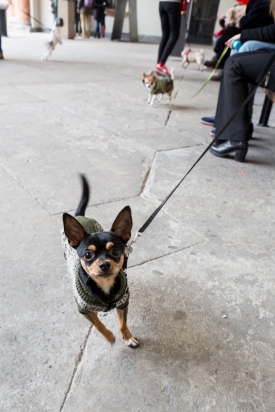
<point>186,53</point>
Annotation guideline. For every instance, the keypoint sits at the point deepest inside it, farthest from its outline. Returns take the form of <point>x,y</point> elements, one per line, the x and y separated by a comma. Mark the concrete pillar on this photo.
<point>66,10</point>
<point>21,11</point>
<point>119,18</point>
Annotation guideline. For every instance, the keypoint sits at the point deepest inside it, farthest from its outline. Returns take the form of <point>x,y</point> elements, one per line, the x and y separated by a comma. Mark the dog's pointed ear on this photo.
<point>123,224</point>
<point>73,230</point>
<point>144,75</point>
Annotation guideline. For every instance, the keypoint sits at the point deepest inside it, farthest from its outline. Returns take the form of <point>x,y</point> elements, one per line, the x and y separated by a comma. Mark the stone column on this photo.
<point>22,11</point>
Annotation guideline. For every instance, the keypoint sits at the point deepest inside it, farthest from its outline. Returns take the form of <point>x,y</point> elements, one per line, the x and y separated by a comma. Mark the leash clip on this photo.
<point>129,248</point>
<point>267,78</point>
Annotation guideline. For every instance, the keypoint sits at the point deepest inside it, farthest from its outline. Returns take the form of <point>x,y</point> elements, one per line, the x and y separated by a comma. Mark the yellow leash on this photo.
<point>211,74</point>
<point>207,80</point>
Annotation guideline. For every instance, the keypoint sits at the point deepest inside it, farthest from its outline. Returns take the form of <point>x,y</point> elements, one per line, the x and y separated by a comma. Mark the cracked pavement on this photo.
<point>202,275</point>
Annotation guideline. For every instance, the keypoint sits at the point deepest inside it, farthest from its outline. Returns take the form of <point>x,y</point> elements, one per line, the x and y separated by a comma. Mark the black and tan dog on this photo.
<point>95,260</point>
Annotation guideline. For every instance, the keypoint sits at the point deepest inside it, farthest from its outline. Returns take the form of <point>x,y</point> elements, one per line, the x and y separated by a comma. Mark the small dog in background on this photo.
<point>189,56</point>
<point>55,37</point>
<point>234,15</point>
<point>158,85</point>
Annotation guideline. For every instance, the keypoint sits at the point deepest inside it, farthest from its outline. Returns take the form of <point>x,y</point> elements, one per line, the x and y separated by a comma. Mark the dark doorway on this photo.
<point>202,21</point>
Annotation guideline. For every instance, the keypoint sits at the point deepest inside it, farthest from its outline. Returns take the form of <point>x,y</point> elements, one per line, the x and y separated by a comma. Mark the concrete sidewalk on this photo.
<point>201,277</point>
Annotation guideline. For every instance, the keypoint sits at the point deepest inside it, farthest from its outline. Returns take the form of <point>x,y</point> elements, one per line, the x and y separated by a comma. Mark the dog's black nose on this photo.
<point>104,265</point>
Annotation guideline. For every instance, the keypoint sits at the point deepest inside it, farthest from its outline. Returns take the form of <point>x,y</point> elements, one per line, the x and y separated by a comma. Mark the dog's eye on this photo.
<point>88,255</point>
<point>115,252</point>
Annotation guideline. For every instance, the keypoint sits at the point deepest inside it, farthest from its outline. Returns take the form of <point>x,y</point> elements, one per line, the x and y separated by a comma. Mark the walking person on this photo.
<point>99,16</point>
<point>170,19</point>
<point>1,52</point>
<point>77,20</point>
<point>85,8</point>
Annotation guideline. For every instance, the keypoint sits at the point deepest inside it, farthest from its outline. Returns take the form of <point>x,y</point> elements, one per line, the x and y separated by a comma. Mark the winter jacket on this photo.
<point>264,34</point>
<point>257,15</point>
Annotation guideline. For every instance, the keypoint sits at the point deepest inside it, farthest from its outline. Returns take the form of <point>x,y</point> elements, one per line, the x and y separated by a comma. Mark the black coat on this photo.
<point>257,15</point>
<point>265,34</point>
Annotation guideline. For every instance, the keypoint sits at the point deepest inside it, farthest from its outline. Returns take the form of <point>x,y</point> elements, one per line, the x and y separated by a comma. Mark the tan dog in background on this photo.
<point>234,15</point>
<point>189,56</point>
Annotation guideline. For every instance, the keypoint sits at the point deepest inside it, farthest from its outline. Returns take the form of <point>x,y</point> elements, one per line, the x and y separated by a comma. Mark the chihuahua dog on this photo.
<point>55,37</point>
<point>95,262</point>
<point>158,85</point>
<point>189,56</point>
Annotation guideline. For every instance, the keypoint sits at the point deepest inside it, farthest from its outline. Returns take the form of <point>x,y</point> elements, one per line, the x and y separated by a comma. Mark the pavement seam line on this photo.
<point>24,188</point>
<point>168,117</point>
<point>167,254</point>
<point>77,363</point>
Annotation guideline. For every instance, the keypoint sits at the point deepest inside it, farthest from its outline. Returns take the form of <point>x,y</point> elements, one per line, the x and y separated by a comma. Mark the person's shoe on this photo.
<point>162,70</point>
<point>1,56</point>
<point>213,133</point>
<point>217,76</point>
<point>209,121</point>
<point>211,63</point>
<point>225,148</point>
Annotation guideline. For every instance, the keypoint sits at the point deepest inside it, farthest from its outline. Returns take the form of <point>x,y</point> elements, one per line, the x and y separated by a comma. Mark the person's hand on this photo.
<point>230,41</point>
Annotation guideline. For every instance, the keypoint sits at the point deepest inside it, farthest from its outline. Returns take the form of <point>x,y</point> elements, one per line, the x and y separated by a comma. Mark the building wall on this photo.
<point>147,17</point>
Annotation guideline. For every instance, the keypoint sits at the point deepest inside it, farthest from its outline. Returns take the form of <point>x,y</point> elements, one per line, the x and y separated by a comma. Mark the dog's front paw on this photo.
<point>132,343</point>
<point>110,337</point>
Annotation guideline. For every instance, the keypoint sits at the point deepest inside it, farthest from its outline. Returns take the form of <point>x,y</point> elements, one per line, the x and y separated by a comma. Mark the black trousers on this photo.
<point>239,70</point>
<point>170,19</point>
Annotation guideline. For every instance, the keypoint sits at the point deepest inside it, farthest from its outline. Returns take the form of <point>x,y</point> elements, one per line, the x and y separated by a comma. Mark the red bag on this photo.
<point>184,6</point>
<point>243,2</point>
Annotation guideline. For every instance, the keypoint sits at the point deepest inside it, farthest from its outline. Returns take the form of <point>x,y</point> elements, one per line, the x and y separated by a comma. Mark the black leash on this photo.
<point>153,215</point>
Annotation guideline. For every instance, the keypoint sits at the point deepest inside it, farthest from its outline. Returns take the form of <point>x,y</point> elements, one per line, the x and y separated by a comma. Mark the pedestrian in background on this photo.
<point>54,8</point>
<point>99,16</point>
<point>77,20</point>
<point>85,8</point>
<point>170,19</point>
<point>1,52</point>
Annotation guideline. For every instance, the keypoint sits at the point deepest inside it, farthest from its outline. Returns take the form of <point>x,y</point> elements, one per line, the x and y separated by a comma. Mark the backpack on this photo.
<point>88,3</point>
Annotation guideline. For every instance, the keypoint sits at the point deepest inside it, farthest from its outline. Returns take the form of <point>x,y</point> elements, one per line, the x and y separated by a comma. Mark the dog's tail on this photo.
<point>80,210</point>
<point>172,75</point>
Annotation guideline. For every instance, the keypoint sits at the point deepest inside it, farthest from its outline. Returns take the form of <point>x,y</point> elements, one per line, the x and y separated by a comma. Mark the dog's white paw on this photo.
<point>132,343</point>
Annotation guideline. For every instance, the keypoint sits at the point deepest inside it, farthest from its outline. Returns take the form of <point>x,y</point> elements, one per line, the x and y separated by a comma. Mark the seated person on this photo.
<point>257,15</point>
<point>241,69</point>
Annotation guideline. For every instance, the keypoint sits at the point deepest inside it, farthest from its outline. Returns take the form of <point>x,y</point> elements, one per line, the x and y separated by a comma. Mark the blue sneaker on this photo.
<point>209,121</point>
<point>213,133</point>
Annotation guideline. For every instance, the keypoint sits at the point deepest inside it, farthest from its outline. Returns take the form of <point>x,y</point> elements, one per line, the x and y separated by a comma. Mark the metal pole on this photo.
<point>188,19</point>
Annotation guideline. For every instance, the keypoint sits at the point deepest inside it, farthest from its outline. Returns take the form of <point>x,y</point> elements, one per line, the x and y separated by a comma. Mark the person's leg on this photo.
<point>254,45</point>
<point>1,53</point>
<point>239,70</point>
<point>174,19</point>
<point>102,26</point>
<point>97,30</point>
<point>82,19</point>
<point>89,24</point>
<point>164,21</point>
